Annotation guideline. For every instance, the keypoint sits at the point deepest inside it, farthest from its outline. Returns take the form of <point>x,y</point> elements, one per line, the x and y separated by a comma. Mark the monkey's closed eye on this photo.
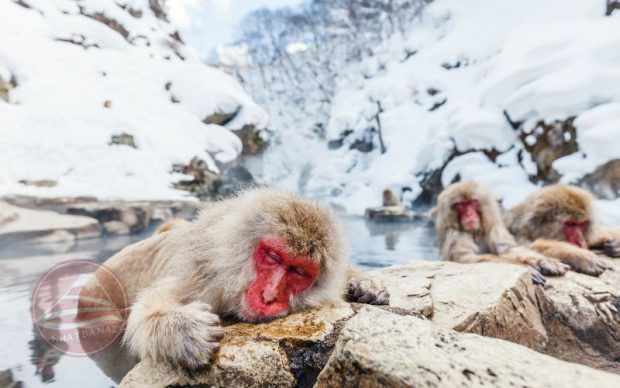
<point>298,271</point>
<point>274,257</point>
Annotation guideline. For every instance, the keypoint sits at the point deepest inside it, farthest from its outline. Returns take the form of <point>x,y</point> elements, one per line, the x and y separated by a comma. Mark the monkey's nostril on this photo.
<point>267,297</point>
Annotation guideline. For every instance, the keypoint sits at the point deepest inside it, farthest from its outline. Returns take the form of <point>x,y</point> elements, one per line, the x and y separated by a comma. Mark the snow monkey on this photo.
<point>470,230</point>
<point>256,256</point>
<point>560,221</point>
<point>390,199</point>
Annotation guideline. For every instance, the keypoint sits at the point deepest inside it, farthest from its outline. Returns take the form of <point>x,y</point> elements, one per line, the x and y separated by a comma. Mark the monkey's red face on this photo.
<point>278,277</point>
<point>574,232</point>
<point>468,214</point>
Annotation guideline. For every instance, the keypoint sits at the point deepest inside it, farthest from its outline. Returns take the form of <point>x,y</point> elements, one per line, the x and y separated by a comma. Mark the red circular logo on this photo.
<point>79,307</point>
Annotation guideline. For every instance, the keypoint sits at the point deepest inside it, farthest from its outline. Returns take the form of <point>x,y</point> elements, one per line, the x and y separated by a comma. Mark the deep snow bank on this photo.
<point>79,73</point>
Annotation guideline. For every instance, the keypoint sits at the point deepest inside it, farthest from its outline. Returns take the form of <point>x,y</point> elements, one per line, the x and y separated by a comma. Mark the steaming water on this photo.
<point>34,363</point>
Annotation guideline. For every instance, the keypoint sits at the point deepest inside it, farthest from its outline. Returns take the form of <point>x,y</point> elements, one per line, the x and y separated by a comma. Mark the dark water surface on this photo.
<point>36,364</point>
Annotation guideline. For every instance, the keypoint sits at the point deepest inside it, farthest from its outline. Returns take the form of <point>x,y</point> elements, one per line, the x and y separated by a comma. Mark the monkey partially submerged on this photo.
<point>257,256</point>
<point>560,221</point>
<point>470,230</point>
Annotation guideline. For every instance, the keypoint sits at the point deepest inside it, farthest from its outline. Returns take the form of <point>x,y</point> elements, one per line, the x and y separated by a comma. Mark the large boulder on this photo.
<point>447,324</point>
<point>114,217</point>
<point>286,352</point>
<point>574,317</point>
<point>604,181</point>
<point>381,348</point>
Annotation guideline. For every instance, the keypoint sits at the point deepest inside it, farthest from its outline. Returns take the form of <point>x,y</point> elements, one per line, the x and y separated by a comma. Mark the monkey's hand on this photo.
<point>181,335</point>
<point>611,247</point>
<point>537,278</point>
<point>587,263</point>
<point>367,291</point>
<point>551,267</point>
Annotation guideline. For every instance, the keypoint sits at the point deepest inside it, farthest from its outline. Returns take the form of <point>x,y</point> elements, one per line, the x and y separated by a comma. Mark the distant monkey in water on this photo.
<point>390,198</point>
<point>257,256</point>
<point>560,222</point>
<point>470,229</point>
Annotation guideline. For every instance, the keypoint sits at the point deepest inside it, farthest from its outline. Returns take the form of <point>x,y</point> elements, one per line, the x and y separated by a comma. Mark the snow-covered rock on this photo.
<point>39,226</point>
<point>84,72</point>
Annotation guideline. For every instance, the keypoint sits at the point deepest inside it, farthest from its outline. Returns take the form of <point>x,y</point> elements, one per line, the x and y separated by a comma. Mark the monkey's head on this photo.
<point>283,254</point>
<point>389,198</point>
<point>465,206</point>
<point>561,212</point>
<point>298,259</point>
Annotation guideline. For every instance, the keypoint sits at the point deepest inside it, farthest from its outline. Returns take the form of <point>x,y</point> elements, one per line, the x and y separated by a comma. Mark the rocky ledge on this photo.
<point>61,220</point>
<point>447,325</point>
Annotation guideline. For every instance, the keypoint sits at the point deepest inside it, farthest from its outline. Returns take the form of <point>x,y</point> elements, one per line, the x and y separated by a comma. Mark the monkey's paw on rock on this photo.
<point>367,291</point>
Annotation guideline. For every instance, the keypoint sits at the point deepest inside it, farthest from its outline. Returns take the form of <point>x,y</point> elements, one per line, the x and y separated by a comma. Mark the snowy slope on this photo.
<point>89,69</point>
<point>533,60</point>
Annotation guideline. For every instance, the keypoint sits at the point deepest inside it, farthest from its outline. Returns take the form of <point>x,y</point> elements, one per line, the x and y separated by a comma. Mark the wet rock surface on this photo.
<point>447,324</point>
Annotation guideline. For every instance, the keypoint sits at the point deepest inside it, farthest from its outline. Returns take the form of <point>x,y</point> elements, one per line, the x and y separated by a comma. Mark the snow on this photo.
<point>56,126</point>
<point>529,59</point>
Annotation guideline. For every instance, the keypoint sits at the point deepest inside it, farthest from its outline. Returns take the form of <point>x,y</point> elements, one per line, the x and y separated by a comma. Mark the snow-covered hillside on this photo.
<point>76,75</point>
<point>475,89</point>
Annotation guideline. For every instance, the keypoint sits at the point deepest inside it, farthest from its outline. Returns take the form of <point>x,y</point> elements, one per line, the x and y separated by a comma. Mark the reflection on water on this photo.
<point>36,363</point>
<point>379,244</point>
<point>31,359</point>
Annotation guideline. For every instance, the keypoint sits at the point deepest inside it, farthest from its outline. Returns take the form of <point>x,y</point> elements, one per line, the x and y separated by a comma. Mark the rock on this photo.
<point>4,90</point>
<point>158,9</point>
<point>208,185</point>
<point>571,318</point>
<point>131,217</point>
<point>604,182</point>
<point>390,214</point>
<point>7,381</point>
<point>252,140</point>
<point>42,226</point>
<point>582,319</point>
<point>381,348</point>
<point>546,143</point>
<point>117,228</point>
<point>39,182</point>
<point>122,139</point>
<point>108,21</point>
<point>222,118</point>
<point>612,5</point>
<point>115,217</point>
<point>287,352</point>
<point>362,345</point>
